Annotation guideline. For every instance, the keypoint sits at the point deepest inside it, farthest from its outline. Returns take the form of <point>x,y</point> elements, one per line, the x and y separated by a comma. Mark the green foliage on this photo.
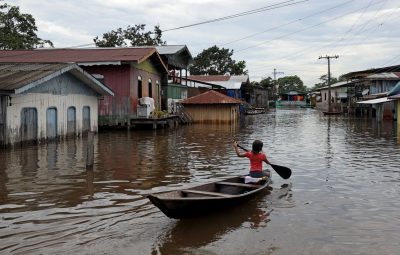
<point>267,83</point>
<point>159,114</point>
<point>135,35</point>
<point>291,83</point>
<point>18,30</point>
<point>324,81</point>
<point>216,61</point>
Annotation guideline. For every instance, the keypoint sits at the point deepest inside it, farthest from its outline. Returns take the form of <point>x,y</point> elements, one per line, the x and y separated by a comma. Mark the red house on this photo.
<point>131,73</point>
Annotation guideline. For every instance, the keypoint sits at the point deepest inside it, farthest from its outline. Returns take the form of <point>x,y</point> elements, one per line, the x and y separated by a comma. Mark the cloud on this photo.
<point>363,33</point>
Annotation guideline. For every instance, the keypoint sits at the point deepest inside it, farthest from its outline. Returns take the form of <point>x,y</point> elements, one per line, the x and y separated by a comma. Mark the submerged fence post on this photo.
<point>90,151</point>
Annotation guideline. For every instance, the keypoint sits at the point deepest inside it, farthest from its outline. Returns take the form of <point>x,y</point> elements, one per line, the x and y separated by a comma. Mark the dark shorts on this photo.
<point>259,174</point>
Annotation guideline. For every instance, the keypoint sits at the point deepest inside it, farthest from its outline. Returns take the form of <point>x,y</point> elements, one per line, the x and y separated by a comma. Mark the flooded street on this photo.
<point>342,198</point>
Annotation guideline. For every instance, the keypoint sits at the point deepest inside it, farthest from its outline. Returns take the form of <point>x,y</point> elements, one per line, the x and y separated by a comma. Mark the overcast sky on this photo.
<point>364,33</point>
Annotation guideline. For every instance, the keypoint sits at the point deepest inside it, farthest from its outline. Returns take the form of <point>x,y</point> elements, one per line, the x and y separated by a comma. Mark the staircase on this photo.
<point>184,118</point>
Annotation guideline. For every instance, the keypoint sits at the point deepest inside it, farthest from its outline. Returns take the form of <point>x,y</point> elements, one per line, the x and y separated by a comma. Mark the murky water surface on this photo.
<point>343,196</point>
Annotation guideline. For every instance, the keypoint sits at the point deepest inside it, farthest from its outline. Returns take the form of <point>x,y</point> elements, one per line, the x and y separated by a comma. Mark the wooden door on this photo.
<point>51,123</point>
<point>86,119</point>
<point>29,124</point>
<point>3,106</point>
<point>71,121</point>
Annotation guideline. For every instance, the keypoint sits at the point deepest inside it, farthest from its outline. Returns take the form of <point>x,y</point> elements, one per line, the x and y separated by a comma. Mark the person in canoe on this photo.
<point>256,157</point>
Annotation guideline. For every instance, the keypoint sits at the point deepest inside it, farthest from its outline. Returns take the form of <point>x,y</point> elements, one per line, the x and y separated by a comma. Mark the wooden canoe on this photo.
<point>206,198</point>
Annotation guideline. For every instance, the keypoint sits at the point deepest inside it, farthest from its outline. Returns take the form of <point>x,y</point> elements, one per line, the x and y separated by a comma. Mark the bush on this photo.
<point>159,114</point>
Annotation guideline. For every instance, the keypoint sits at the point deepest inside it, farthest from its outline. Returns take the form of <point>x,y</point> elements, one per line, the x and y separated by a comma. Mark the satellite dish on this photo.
<point>364,92</point>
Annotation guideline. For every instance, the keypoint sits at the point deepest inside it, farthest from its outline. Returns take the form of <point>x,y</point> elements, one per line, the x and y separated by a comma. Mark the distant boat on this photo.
<point>331,113</point>
<point>206,198</point>
<point>254,111</point>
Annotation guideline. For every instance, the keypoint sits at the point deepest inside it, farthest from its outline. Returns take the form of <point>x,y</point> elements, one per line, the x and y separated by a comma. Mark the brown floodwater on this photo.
<point>342,198</point>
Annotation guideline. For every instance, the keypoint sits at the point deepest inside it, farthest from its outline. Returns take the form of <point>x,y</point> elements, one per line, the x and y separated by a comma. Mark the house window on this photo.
<point>325,96</point>
<point>150,88</point>
<point>86,119</point>
<point>139,85</point>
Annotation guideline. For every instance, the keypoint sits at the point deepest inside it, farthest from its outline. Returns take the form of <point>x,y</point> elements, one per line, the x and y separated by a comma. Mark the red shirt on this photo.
<point>255,160</point>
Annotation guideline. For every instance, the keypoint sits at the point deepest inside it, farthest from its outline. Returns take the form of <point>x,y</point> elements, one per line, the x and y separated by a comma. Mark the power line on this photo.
<point>262,9</point>
<point>300,30</point>
<point>288,23</point>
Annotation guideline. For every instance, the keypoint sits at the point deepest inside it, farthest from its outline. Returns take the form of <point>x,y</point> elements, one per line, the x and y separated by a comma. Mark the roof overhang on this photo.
<point>5,92</point>
<point>115,63</point>
<point>376,101</point>
<point>78,72</point>
<point>395,97</point>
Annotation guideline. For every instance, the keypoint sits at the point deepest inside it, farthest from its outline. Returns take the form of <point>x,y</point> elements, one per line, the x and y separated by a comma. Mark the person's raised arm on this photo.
<point>235,146</point>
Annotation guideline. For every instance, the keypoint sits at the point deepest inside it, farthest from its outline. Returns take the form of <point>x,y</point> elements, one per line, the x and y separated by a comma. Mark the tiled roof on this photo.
<point>76,55</point>
<point>211,97</point>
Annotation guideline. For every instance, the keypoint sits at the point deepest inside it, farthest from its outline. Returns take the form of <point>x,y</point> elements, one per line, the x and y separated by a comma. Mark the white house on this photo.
<point>47,101</point>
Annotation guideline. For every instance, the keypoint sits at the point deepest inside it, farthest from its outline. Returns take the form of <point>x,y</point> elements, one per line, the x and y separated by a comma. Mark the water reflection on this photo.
<point>3,179</point>
<point>50,203</point>
<point>191,236</point>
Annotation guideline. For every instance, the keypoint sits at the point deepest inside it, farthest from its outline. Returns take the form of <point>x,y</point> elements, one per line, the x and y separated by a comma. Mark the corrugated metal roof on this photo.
<point>176,55</point>
<point>171,49</point>
<point>211,97</point>
<point>226,81</point>
<point>376,101</point>
<point>364,73</point>
<point>384,76</point>
<point>395,97</point>
<point>76,55</point>
<point>15,76</point>
<point>18,77</point>
<point>209,78</point>
<point>337,84</point>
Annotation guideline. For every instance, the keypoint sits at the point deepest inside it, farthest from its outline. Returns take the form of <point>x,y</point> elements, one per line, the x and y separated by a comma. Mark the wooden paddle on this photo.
<point>283,171</point>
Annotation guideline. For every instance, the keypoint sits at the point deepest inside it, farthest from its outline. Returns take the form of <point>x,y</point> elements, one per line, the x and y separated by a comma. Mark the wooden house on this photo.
<point>47,101</point>
<point>230,85</point>
<point>370,91</point>
<point>212,107</point>
<point>256,95</point>
<point>291,99</point>
<point>177,58</point>
<point>339,97</point>
<point>132,73</point>
<point>396,99</point>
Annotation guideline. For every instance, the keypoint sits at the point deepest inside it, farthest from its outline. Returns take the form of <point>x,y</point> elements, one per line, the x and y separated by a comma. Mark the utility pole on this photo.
<point>276,86</point>
<point>329,79</point>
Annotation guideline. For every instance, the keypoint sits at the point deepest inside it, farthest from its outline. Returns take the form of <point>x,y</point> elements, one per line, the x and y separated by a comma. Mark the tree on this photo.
<point>135,35</point>
<point>291,83</point>
<point>324,81</point>
<point>18,30</point>
<point>267,83</point>
<point>216,61</point>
